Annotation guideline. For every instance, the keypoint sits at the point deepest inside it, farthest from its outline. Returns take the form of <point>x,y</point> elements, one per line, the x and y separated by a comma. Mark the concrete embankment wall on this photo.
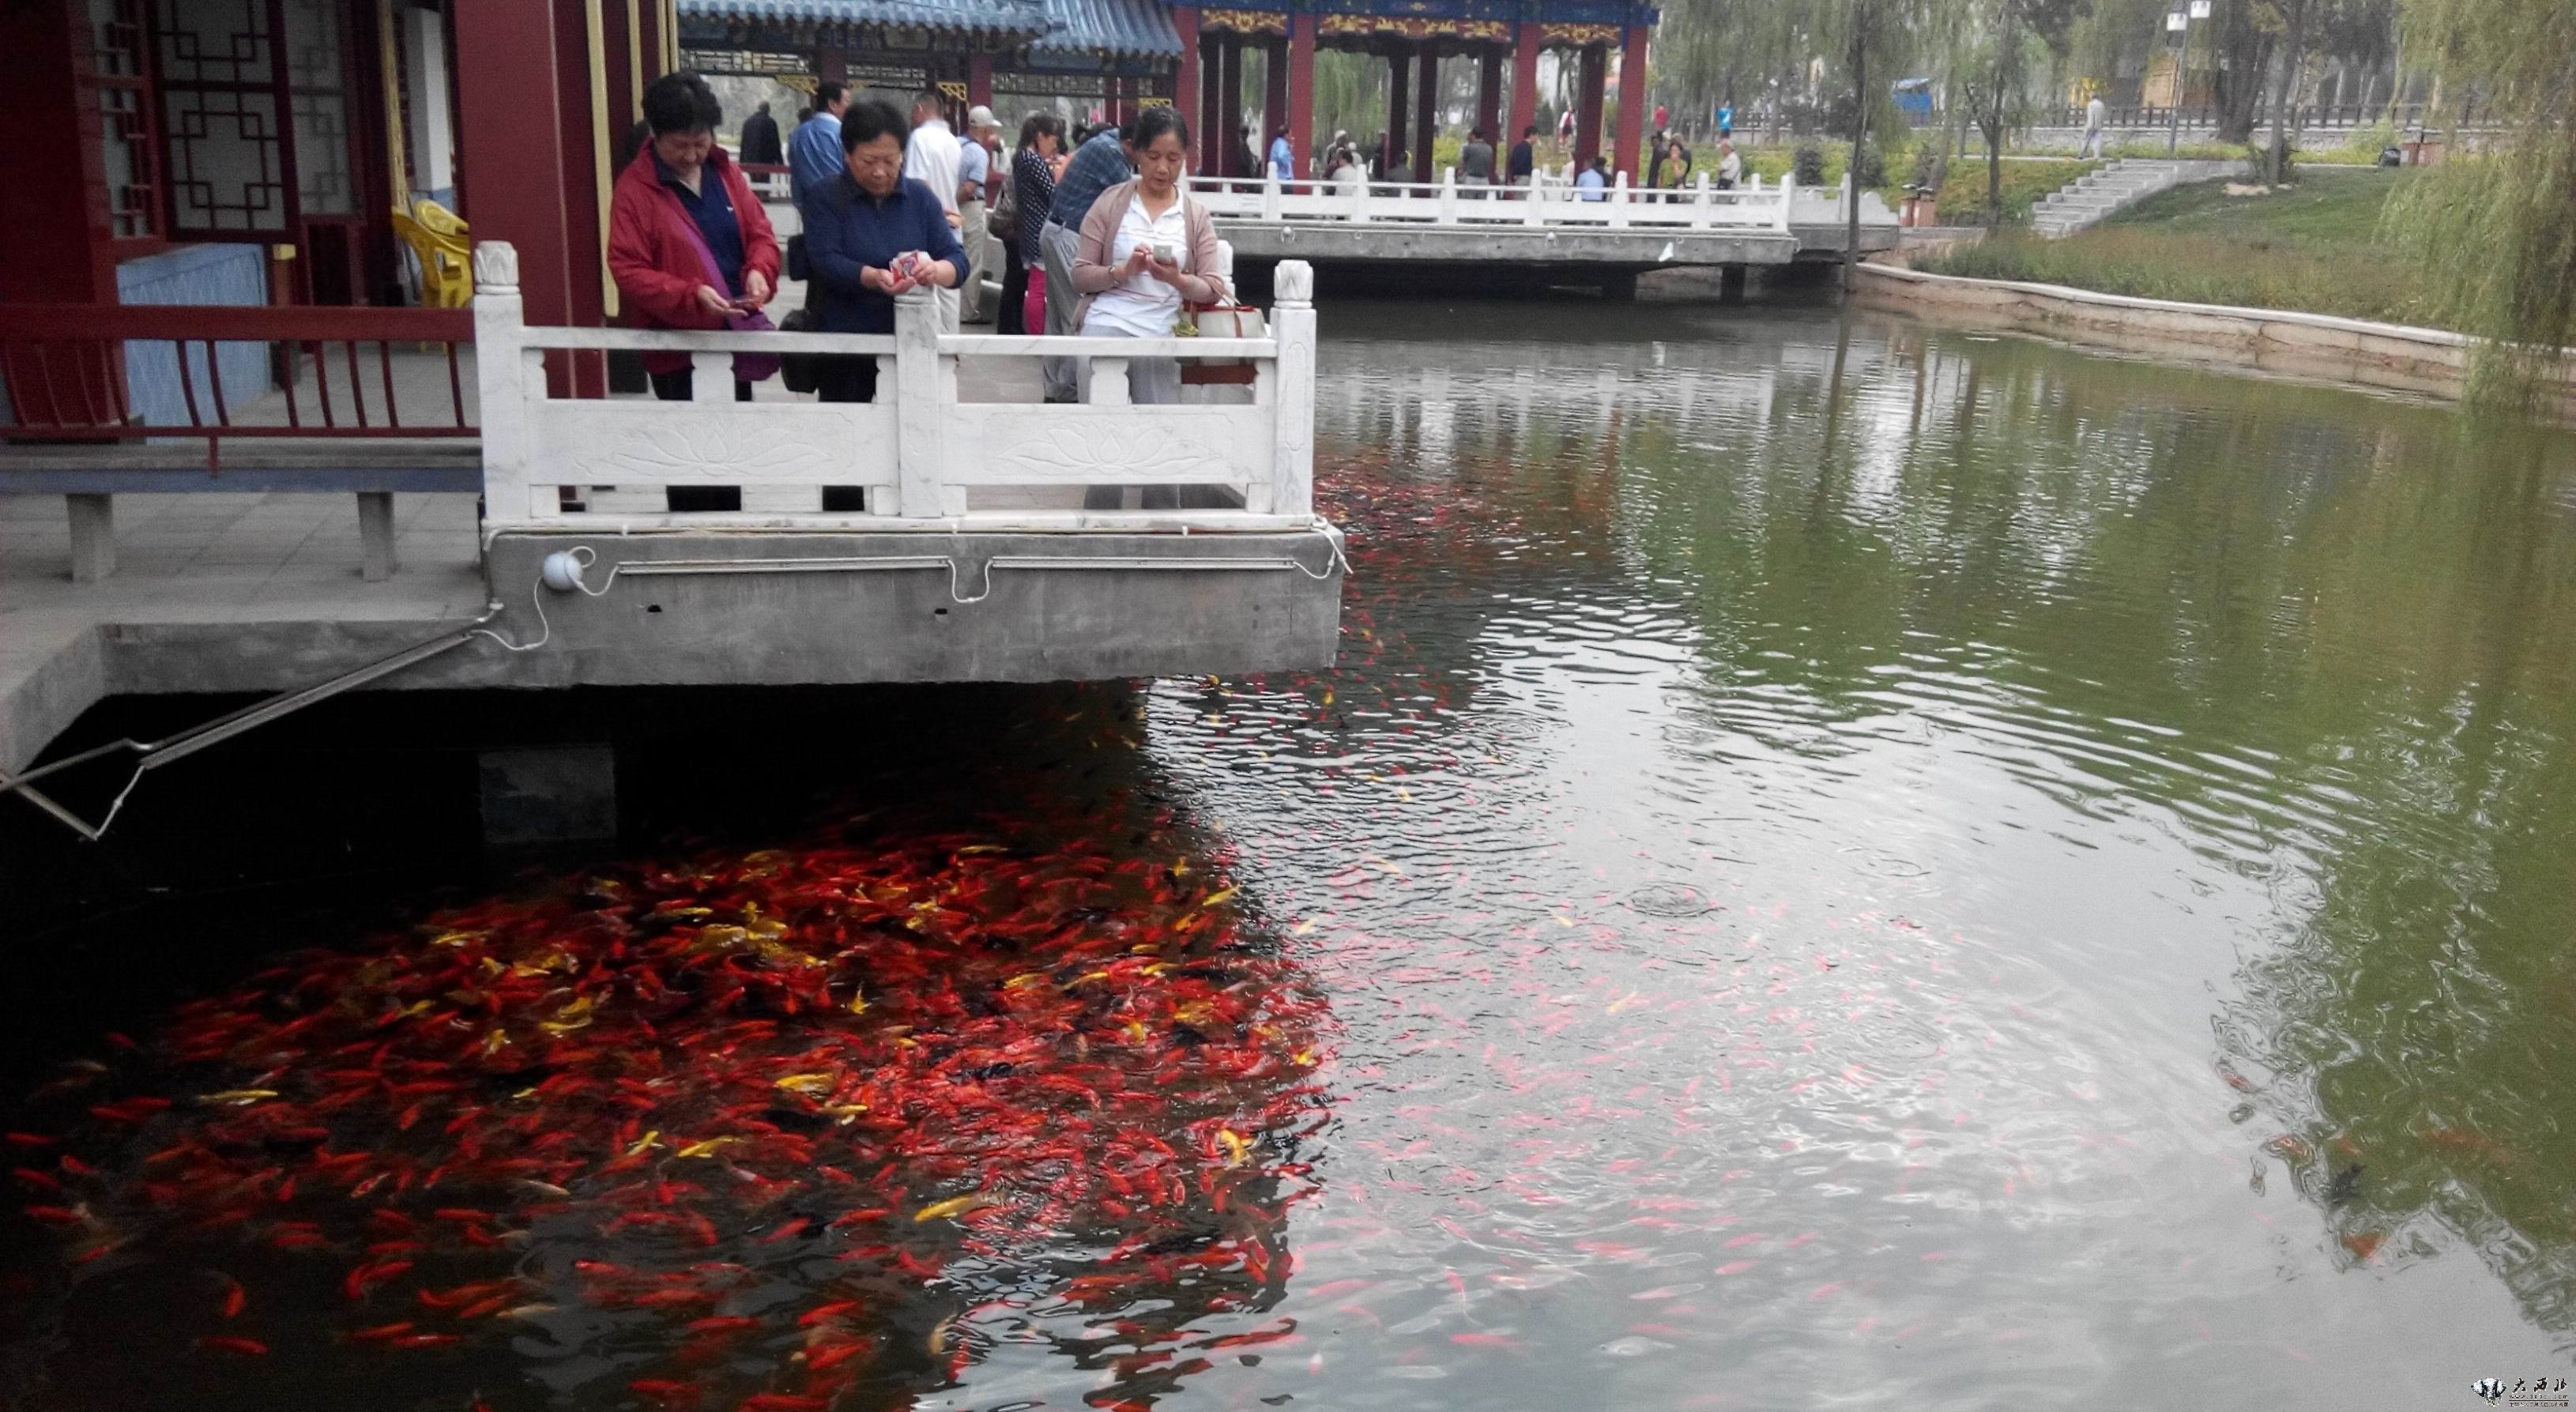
<point>2392,356</point>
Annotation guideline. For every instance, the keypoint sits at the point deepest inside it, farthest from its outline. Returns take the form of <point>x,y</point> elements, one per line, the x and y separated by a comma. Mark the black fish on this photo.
<point>2345,1186</point>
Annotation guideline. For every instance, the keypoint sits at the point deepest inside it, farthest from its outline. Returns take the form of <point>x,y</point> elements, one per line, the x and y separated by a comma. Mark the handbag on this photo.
<point>747,367</point>
<point>1224,321</point>
<point>801,372</point>
<point>1005,215</point>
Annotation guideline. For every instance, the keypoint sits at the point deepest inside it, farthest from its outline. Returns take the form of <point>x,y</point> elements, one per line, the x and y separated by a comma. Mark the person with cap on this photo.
<point>978,186</point>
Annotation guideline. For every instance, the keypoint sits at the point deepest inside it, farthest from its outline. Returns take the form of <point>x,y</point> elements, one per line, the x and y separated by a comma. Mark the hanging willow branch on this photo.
<point>2493,233</point>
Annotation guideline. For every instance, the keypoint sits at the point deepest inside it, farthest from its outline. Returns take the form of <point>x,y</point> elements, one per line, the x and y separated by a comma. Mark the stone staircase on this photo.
<point>2096,194</point>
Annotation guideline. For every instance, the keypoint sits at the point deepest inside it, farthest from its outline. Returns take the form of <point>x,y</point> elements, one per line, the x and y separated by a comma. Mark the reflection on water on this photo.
<point>1839,863</point>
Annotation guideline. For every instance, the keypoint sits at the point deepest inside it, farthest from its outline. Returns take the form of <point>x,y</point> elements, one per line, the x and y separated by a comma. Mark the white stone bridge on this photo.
<point>1545,234</point>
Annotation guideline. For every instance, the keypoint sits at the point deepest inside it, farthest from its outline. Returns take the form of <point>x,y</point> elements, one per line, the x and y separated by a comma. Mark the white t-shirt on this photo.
<point>931,158</point>
<point>1141,306</point>
<point>2093,113</point>
<point>1730,168</point>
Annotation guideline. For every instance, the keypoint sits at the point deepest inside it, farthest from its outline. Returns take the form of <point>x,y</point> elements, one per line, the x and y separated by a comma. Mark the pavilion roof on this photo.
<point>1118,29</point>
<point>988,21</point>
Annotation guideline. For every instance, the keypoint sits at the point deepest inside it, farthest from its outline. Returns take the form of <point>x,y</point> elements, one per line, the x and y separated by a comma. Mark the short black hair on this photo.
<point>871,118</point>
<point>680,101</point>
<point>1153,122</point>
<point>826,94</point>
<point>1040,124</point>
<point>1530,131</point>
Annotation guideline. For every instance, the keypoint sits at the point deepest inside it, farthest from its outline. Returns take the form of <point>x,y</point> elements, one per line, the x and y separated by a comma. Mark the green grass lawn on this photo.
<point>2314,247</point>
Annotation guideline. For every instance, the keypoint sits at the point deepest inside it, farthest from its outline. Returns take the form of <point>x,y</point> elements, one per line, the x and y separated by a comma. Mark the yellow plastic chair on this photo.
<point>446,262</point>
<point>437,219</point>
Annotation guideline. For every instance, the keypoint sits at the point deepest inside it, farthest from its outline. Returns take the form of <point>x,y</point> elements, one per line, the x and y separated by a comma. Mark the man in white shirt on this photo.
<point>932,158</point>
<point>976,166</point>
<point>1730,167</point>
<point>2093,115</point>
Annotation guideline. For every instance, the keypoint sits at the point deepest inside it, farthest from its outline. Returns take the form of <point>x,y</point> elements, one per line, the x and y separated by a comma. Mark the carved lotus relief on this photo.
<point>1075,453</point>
<point>730,448</point>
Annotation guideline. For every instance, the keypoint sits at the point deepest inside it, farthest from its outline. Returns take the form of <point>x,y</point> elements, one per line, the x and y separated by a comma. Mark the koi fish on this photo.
<point>247,1347</point>
<point>953,1206</point>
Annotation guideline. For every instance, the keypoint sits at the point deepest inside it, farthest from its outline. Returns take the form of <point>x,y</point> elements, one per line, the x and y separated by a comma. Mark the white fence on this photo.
<point>918,452</point>
<point>1548,203</point>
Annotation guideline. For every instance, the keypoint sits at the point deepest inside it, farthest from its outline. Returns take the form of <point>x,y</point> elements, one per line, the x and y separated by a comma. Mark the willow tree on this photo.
<point>2494,232</point>
<point>1869,41</point>
<point>2000,49</point>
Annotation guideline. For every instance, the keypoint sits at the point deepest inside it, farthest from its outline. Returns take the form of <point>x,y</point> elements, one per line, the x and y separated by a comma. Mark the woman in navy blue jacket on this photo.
<point>875,235</point>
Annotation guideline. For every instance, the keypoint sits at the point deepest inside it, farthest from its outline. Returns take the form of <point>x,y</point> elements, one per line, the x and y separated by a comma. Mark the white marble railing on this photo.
<point>1550,202</point>
<point>917,450</point>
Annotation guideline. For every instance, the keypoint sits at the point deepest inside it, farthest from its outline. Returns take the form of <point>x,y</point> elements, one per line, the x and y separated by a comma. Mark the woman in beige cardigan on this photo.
<point>1145,248</point>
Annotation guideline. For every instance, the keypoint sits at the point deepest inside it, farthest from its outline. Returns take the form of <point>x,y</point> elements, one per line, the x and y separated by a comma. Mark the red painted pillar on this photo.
<point>1229,117</point>
<point>585,223</point>
<point>831,65</point>
<point>979,80</point>
<point>1398,92</point>
<point>58,225</point>
<point>1426,115</point>
<point>1632,104</point>
<point>1591,76</point>
<point>510,188</point>
<point>1185,77</point>
<point>1210,115</point>
<point>1301,90</point>
<point>1489,97</point>
<point>1524,83</point>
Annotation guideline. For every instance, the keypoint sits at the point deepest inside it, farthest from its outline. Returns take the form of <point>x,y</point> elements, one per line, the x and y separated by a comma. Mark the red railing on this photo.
<point>62,367</point>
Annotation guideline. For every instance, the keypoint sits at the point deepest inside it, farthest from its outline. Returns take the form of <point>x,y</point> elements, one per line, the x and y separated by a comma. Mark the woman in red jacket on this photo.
<point>690,246</point>
<point>683,219</point>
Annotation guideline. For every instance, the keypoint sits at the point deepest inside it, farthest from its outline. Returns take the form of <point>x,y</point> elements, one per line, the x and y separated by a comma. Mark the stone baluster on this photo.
<point>508,376</point>
<point>920,452</point>
<point>1292,324</point>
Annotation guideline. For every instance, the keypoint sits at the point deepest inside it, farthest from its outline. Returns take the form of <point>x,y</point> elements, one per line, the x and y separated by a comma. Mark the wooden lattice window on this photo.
<point>129,138</point>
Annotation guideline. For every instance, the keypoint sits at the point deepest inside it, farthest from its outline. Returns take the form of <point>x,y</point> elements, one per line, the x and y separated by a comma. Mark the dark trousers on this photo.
<point>680,385</point>
<point>845,380</point>
<point>1015,293</point>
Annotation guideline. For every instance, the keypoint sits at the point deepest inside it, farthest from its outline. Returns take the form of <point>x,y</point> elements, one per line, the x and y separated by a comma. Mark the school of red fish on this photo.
<point>880,1059</point>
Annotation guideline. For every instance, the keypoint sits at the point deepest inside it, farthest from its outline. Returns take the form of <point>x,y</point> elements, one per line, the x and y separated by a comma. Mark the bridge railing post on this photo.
<point>1270,197</point>
<point>1360,196</point>
<point>508,375</point>
<point>1701,212</point>
<point>920,451</point>
<point>1534,210</point>
<point>1788,198</point>
<point>1448,196</point>
<point>1619,202</point>
<point>1292,404</point>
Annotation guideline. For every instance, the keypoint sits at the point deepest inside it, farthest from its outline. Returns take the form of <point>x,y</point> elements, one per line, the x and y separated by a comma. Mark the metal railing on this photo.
<point>917,449</point>
<point>1547,201</point>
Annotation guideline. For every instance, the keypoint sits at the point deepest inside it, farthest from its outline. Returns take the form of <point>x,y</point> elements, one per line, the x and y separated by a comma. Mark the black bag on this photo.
<point>802,372</point>
<point>797,269</point>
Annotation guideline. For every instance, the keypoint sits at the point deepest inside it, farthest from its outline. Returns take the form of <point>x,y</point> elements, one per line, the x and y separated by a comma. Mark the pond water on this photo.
<point>1842,864</point>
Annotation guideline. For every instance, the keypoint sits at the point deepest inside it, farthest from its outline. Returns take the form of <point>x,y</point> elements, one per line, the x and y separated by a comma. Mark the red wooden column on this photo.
<point>831,65</point>
<point>1397,92</point>
<point>1229,114</point>
<point>1185,76</point>
<point>1489,97</point>
<point>979,81</point>
<point>1301,89</point>
<point>1210,115</point>
<point>1524,83</point>
<point>585,219</point>
<point>1632,104</point>
<point>1591,76</point>
<point>58,226</point>
<point>510,188</point>
<point>1426,115</point>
